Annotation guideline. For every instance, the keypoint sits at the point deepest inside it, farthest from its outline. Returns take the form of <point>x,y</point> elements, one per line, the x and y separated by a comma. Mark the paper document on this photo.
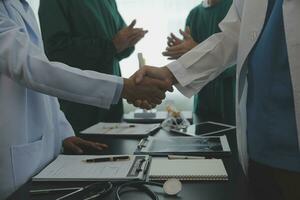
<point>121,129</point>
<point>74,168</point>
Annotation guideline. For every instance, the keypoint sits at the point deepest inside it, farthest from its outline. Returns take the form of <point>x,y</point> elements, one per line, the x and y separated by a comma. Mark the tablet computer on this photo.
<point>203,129</point>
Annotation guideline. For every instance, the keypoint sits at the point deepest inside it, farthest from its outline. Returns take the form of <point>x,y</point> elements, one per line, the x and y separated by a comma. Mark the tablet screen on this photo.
<point>205,128</point>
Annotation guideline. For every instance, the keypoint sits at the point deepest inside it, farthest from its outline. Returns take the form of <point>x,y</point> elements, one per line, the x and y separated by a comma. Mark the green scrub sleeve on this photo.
<point>61,44</point>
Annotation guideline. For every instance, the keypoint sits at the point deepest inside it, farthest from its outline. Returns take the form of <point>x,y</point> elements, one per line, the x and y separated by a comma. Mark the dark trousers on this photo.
<point>268,183</point>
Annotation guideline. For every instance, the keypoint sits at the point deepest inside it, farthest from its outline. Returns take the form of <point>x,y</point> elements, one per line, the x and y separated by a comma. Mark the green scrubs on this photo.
<point>79,33</point>
<point>216,101</point>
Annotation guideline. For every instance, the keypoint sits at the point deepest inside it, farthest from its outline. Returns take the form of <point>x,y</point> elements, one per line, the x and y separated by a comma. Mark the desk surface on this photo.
<point>234,189</point>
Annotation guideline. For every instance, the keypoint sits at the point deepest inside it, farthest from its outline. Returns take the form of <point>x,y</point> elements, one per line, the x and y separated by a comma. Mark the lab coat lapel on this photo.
<point>253,20</point>
<point>29,20</point>
<point>291,16</point>
<point>16,4</point>
<point>253,17</point>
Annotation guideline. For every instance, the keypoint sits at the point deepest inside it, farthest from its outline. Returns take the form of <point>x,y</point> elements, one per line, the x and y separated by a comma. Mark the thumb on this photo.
<point>188,30</point>
<point>185,34</point>
<point>132,24</point>
<point>140,74</point>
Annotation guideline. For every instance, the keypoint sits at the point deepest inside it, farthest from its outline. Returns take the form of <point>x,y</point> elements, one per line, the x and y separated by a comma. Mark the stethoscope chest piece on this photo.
<point>172,186</point>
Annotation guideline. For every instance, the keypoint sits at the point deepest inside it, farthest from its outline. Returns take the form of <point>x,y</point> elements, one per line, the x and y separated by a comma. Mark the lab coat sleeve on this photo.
<point>27,64</point>
<point>65,127</point>
<point>210,58</point>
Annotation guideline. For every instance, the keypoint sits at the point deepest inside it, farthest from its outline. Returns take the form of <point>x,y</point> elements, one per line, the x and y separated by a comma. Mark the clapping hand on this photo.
<point>128,37</point>
<point>177,47</point>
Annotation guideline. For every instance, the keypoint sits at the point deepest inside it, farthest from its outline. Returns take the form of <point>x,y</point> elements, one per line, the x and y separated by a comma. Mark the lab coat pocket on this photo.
<point>26,160</point>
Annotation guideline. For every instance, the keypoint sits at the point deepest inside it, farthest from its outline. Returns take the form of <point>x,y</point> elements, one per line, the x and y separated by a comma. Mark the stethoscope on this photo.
<point>100,190</point>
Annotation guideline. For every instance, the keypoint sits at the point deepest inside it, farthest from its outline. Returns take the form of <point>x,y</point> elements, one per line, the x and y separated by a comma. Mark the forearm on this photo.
<point>206,61</point>
<point>26,63</point>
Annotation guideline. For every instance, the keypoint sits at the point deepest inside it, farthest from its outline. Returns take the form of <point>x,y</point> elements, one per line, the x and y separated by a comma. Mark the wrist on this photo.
<point>169,75</point>
<point>127,84</point>
<point>116,43</point>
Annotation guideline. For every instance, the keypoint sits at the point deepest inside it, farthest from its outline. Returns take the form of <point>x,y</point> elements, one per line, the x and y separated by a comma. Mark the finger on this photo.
<point>188,30</point>
<point>135,34</point>
<point>132,24</point>
<point>170,44</point>
<point>139,76</point>
<point>170,39</point>
<point>162,85</point>
<point>157,96</point>
<point>145,105</point>
<point>184,34</point>
<point>174,37</point>
<point>176,48</point>
<point>172,53</point>
<point>101,145</point>
<point>75,148</point>
<point>173,57</point>
<point>91,145</point>
<point>129,101</point>
<point>135,41</point>
<point>137,103</point>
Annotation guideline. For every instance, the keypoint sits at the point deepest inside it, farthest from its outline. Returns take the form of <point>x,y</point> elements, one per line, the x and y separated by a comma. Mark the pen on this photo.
<point>173,157</point>
<point>47,191</point>
<point>108,159</point>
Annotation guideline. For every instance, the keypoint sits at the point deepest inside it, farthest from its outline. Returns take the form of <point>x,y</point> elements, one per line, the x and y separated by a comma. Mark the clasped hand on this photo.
<point>147,87</point>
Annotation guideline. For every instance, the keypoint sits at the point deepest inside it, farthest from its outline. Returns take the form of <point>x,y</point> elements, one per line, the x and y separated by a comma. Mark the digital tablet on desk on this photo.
<point>203,129</point>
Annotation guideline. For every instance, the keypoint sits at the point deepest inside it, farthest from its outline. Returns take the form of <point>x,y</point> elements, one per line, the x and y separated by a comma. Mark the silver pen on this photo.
<point>174,157</point>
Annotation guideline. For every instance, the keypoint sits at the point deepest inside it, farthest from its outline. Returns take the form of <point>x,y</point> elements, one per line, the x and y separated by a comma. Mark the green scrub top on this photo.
<point>216,101</point>
<point>79,33</point>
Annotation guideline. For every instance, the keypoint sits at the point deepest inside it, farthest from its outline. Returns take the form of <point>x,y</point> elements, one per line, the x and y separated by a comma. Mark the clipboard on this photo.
<point>121,129</point>
<point>199,146</point>
<point>74,168</point>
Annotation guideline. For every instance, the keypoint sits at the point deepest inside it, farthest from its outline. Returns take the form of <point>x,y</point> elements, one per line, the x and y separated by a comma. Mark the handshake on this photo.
<point>147,87</point>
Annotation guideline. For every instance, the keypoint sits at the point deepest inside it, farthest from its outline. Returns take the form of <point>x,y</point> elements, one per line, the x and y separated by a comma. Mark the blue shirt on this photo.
<point>271,123</point>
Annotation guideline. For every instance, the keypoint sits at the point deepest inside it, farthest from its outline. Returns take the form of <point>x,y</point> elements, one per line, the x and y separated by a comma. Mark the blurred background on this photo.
<point>160,17</point>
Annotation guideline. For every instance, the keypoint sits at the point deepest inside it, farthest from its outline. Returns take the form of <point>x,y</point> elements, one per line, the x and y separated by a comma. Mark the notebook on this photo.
<point>75,168</point>
<point>188,169</point>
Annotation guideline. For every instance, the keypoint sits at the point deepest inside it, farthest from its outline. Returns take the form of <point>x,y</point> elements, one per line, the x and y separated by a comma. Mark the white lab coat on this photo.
<point>32,127</point>
<point>240,30</point>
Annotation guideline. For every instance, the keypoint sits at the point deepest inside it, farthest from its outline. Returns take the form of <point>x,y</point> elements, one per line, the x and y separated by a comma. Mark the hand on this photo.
<point>162,73</point>
<point>75,145</point>
<point>173,40</point>
<point>147,90</point>
<point>128,37</point>
<point>177,48</point>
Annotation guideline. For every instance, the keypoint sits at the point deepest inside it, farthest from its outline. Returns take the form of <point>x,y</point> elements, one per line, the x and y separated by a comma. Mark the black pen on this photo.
<point>108,159</point>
